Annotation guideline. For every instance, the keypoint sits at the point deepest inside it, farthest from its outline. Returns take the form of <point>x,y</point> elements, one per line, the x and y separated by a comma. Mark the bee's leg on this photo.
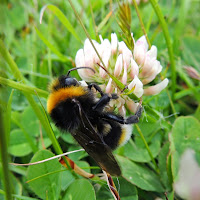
<point>103,101</point>
<point>130,120</point>
<point>96,87</point>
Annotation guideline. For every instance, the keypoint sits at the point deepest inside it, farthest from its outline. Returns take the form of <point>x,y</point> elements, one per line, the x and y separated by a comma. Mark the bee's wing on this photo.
<point>91,141</point>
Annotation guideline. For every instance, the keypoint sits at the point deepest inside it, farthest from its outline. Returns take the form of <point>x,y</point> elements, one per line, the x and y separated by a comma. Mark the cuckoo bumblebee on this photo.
<point>74,108</point>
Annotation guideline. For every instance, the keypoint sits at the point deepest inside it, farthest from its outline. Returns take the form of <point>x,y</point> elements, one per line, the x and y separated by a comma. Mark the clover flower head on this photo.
<point>134,69</point>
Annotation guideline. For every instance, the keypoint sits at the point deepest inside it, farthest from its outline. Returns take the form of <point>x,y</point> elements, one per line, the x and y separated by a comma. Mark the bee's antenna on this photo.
<point>76,68</point>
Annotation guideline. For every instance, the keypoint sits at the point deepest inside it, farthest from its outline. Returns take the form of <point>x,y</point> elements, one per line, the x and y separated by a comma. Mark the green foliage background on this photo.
<point>31,54</point>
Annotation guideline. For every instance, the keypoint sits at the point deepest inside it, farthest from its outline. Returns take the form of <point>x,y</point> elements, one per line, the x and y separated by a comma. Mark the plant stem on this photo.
<point>23,87</point>
<point>148,149</point>
<point>4,158</point>
<point>141,22</point>
<point>168,42</point>
<point>172,105</point>
<point>87,34</point>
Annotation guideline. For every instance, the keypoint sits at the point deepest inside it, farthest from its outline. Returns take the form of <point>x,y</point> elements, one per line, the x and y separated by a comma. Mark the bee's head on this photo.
<point>66,81</point>
<point>63,82</point>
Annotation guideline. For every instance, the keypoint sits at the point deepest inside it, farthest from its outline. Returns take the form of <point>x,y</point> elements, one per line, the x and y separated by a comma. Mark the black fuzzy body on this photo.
<point>66,116</point>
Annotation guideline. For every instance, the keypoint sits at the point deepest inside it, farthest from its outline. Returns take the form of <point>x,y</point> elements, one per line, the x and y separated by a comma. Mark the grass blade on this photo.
<point>57,12</point>
<point>168,42</point>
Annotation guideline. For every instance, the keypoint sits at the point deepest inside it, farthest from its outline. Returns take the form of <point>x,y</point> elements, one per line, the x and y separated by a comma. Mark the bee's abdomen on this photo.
<point>117,134</point>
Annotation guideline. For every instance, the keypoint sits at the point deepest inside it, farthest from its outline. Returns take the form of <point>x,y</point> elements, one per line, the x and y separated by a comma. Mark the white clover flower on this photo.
<point>134,69</point>
<point>188,184</point>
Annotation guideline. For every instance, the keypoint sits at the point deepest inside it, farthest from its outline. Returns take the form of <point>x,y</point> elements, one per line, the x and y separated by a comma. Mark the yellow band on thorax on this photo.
<point>63,94</point>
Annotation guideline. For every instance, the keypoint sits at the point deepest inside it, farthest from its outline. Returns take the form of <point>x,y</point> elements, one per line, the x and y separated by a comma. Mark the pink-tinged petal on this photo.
<point>85,74</point>
<point>122,111</point>
<point>105,55</point>
<point>140,50</point>
<point>89,52</point>
<point>80,58</point>
<point>118,66</point>
<point>109,87</point>
<point>192,72</point>
<point>127,55</point>
<point>137,85</point>
<point>132,106</point>
<point>139,54</point>
<point>134,69</point>
<point>156,69</point>
<point>152,52</point>
<point>188,185</point>
<point>106,46</point>
<point>114,43</point>
<point>100,50</point>
<point>122,48</point>
<point>124,77</point>
<point>102,72</point>
<point>147,66</point>
<point>142,41</point>
<point>156,89</point>
<point>117,103</point>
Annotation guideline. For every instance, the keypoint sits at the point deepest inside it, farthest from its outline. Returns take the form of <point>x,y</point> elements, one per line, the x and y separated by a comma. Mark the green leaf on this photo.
<point>21,19</point>
<point>185,134</point>
<point>19,197</point>
<point>78,155</point>
<point>140,175</point>
<point>57,12</point>
<point>67,137</point>
<point>197,112</point>
<point>140,154</point>
<point>162,163</point>
<point>51,46</point>
<point>16,185</point>
<point>45,185</point>
<point>30,122</point>
<point>19,145</point>
<point>190,51</point>
<point>24,88</point>
<point>80,189</point>
<point>127,191</point>
<point>66,179</point>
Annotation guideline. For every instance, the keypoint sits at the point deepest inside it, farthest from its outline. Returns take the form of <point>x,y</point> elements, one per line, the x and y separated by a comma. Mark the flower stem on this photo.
<point>141,22</point>
<point>87,34</point>
<point>4,158</point>
<point>168,42</point>
<point>148,149</point>
<point>172,105</point>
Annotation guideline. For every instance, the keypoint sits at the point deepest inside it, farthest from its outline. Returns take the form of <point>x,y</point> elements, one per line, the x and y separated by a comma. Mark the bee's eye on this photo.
<point>71,82</point>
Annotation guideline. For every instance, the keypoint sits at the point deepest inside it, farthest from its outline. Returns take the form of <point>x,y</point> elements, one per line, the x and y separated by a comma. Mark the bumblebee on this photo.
<point>75,109</point>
